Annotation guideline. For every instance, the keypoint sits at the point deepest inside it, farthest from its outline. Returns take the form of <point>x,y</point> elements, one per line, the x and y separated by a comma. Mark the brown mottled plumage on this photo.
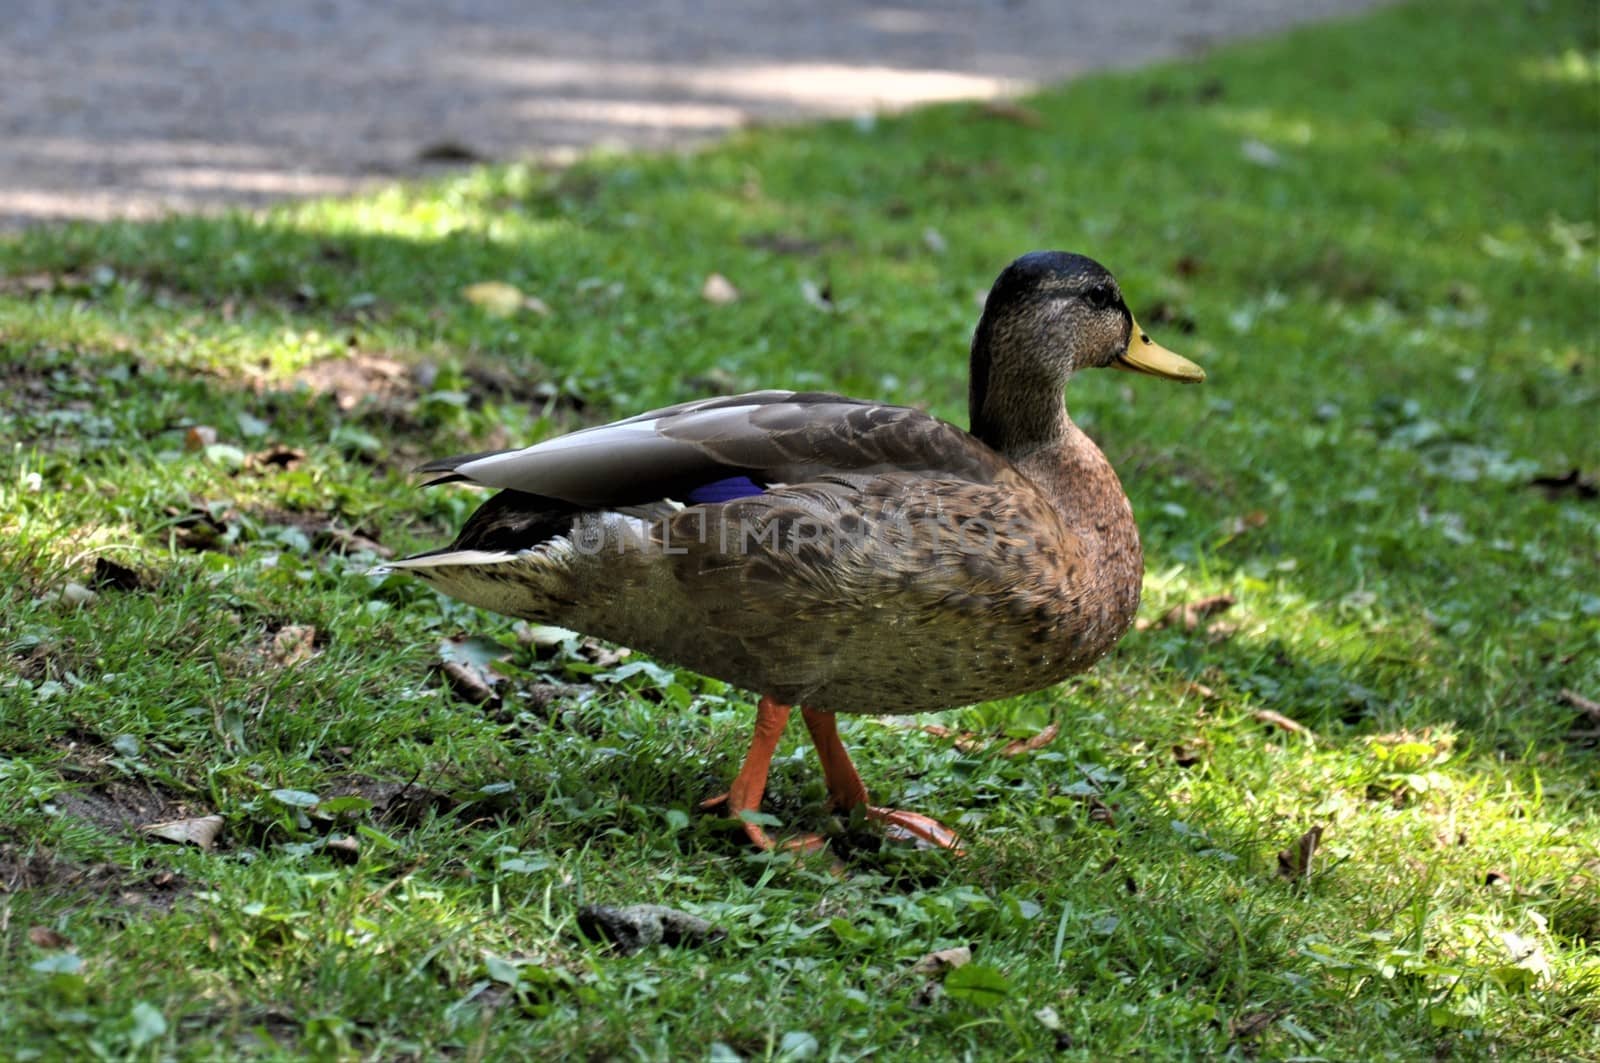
<point>891,562</point>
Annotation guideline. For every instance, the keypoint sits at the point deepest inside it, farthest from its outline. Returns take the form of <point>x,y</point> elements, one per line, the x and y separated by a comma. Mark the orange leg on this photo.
<point>847,790</point>
<point>751,782</point>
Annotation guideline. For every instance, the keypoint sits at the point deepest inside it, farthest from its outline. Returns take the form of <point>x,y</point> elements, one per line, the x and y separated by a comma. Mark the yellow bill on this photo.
<point>1146,356</point>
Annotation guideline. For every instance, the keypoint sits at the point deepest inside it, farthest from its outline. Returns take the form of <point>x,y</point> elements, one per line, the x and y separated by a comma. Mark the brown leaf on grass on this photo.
<point>937,963</point>
<point>46,938</point>
<point>1295,862</point>
<point>1249,1026</point>
<point>1029,745</point>
<point>718,290</point>
<point>1189,615</point>
<point>1572,483</point>
<point>199,437</point>
<point>965,741</point>
<point>199,831</point>
<point>469,683</point>
<point>602,654</point>
<point>336,540</point>
<point>292,644</point>
<point>1245,522</point>
<point>1574,700</point>
<point>1100,812</point>
<point>1282,722</point>
<point>1012,111</point>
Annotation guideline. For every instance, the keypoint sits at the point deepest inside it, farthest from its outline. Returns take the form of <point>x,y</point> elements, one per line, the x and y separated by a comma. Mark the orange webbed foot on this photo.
<point>803,844</point>
<point>924,831</point>
<point>846,790</point>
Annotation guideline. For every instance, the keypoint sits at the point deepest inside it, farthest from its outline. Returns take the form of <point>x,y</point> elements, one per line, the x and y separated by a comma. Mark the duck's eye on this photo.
<point>1100,296</point>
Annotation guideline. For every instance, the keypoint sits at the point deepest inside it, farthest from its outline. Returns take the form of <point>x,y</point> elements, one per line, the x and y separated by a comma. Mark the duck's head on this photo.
<point>1050,314</point>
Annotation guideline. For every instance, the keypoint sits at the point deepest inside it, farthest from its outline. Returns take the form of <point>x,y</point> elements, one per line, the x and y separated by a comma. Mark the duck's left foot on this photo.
<point>915,827</point>
<point>847,791</point>
<point>744,796</point>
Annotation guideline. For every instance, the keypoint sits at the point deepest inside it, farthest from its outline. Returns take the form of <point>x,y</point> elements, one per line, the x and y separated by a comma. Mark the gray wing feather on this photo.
<point>777,436</point>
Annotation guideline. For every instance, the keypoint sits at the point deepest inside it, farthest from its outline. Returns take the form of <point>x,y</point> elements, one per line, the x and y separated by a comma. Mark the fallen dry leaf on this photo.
<point>719,290</point>
<point>1188,615</point>
<point>46,938</point>
<point>1249,1026</point>
<point>1256,518</point>
<point>199,437</point>
<point>965,741</point>
<point>293,643</point>
<point>1295,861</point>
<point>1100,812</point>
<point>469,683</point>
<point>344,541</point>
<point>1279,720</point>
<point>200,831</point>
<point>943,960</point>
<point>1012,111</point>
<point>1574,700</point>
<point>1029,745</point>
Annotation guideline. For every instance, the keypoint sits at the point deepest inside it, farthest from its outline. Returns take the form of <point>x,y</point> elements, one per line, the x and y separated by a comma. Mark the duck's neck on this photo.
<point>1015,409</point>
<point>1088,497</point>
<point>1027,421</point>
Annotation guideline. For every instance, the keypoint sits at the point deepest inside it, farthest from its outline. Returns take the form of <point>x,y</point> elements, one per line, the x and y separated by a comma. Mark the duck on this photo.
<point>843,555</point>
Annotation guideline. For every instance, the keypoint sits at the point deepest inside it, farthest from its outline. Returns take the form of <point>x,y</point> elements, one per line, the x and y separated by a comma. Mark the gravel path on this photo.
<point>118,109</point>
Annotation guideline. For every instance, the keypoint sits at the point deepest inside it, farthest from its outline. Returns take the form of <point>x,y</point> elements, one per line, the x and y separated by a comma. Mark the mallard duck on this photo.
<point>839,554</point>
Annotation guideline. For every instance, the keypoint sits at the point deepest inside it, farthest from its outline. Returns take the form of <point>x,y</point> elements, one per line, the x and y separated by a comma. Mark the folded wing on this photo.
<point>769,437</point>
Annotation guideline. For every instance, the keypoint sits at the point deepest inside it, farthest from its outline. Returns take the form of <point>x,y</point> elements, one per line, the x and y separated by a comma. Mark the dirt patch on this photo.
<point>120,807</point>
<point>402,803</point>
<point>360,377</point>
<point>41,871</point>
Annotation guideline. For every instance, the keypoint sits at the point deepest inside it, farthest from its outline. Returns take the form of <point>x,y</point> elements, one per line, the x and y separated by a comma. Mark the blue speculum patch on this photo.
<point>725,490</point>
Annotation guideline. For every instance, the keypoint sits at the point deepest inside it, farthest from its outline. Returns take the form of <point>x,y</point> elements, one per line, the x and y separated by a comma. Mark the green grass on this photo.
<point>1379,237</point>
